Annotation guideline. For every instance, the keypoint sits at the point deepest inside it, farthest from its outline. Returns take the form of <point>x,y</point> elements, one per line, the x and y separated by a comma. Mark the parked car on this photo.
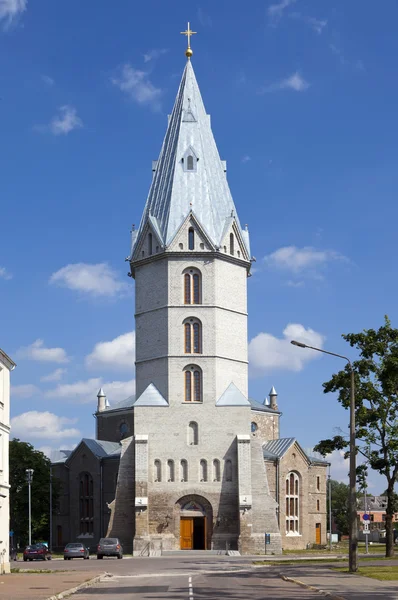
<point>76,550</point>
<point>37,552</point>
<point>109,547</point>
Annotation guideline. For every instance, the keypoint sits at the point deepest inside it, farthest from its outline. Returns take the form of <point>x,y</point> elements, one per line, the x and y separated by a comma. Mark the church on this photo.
<point>190,462</point>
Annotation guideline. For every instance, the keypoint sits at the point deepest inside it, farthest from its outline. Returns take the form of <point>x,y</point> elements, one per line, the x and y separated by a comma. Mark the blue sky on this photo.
<point>303,99</point>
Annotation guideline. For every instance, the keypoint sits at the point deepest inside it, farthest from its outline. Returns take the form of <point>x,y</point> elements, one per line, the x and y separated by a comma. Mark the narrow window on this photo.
<point>228,470</point>
<point>157,471</point>
<point>292,504</point>
<point>197,386</point>
<point>196,338</point>
<point>203,470</point>
<point>193,434</point>
<point>318,483</point>
<point>231,244</point>
<point>317,505</point>
<point>216,470</point>
<point>196,289</point>
<point>187,331</point>
<point>190,163</point>
<point>86,486</point>
<point>191,238</point>
<point>187,288</point>
<point>150,244</point>
<point>188,386</point>
<point>184,470</point>
<point>170,470</point>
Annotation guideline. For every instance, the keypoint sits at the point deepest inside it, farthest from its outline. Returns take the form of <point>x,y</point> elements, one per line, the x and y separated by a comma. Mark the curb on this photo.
<point>311,587</point>
<point>79,587</point>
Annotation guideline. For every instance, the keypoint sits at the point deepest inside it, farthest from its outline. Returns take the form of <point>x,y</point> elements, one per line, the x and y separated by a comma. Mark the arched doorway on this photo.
<point>195,517</point>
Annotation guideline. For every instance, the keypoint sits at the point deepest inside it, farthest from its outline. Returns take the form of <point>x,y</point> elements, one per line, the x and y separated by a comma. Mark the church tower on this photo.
<point>200,480</point>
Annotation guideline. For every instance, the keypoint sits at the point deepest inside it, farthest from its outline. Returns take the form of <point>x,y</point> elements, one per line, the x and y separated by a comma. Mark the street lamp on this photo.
<point>29,479</point>
<point>353,523</point>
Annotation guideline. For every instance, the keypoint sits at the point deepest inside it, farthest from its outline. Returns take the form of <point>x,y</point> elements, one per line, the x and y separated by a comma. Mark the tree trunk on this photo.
<point>389,520</point>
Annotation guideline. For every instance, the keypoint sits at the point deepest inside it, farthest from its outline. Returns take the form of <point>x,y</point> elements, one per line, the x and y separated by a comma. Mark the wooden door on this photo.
<point>186,533</point>
<point>318,533</point>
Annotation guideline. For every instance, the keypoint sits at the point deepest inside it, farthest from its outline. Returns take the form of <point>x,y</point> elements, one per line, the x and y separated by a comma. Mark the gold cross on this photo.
<point>188,33</point>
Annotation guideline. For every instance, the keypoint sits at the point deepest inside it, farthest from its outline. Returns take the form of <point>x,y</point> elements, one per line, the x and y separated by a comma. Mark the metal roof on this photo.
<point>59,456</point>
<point>232,397</point>
<point>151,397</point>
<point>5,359</point>
<point>277,448</point>
<point>176,192</point>
<point>263,407</point>
<point>101,448</point>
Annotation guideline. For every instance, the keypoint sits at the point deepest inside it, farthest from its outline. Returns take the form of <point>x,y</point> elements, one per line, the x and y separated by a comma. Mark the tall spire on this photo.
<point>189,174</point>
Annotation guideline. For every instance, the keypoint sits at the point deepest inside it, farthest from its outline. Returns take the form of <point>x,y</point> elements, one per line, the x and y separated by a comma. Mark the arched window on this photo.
<point>157,470</point>
<point>190,162</point>
<point>184,470</point>
<point>192,287</point>
<point>193,384</point>
<point>170,470</point>
<point>292,504</point>
<point>216,470</point>
<point>191,238</point>
<point>149,244</point>
<point>228,470</point>
<point>192,336</point>
<point>203,470</point>
<point>193,434</point>
<point>231,244</point>
<point>123,430</point>
<point>86,486</point>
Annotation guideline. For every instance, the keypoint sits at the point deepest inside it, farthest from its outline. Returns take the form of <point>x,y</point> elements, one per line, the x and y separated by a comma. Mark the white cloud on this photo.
<point>339,466</point>
<point>356,64</point>
<point>4,274</point>
<point>293,82</point>
<point>119,353</point>
<point>39,425</point>
<point>154,54</point>
<point>48,80</point>
<point>96,280</point>
<point>24,391</point>
<point>86,391</point>
<point>268,353</point>
<point>245,158</point>
<point>316,25</point>
<point>137,86</point>
<point>66,121</point>
<point>37,351</point>
<point>275,11</point>
<point>298,260</point>
<point>54,376</point>
<point>10,10</point>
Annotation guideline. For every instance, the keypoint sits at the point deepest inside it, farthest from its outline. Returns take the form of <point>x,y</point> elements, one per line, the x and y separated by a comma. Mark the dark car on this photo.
<point>37,552</point>
<point>109,547</point>
<point>76,550</point>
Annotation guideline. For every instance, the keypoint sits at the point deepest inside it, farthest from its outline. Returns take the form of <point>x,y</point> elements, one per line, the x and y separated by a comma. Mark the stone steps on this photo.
<point>191,553</point>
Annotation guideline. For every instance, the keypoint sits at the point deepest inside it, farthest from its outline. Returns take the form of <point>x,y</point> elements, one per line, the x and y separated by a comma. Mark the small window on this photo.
<point>170,470</point>
<point>231,244</point>
<point>123,429</point>
<point>203,470</point>
<point>192,337</point>
<point>150,244</point>
<point>157,471</point>
<point>254,427</point>
<point>228,470</point>
<point>318,483</point>
<point>216,470</point>
<point>190,163</point>
<point>318,505</point>
<point>191,238</point>
<point>193,434</point>
<point>193,384</point>
<point>192,287</point>
<point>184,470</point>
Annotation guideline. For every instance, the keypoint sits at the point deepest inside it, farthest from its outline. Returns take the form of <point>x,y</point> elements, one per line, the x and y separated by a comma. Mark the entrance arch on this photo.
<point>195,517</point>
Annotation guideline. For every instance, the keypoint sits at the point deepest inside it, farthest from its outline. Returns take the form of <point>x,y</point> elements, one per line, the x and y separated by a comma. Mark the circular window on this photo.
<point>254,427</point>
<point>123,428</point>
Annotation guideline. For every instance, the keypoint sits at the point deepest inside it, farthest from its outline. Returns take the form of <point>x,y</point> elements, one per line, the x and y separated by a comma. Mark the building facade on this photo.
<point>6,366</point>
<point>200,464</point>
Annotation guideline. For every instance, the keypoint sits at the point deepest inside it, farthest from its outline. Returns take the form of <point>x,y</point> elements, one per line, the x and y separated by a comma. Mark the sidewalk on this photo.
<point>340,586</point>
<point>40,586</point>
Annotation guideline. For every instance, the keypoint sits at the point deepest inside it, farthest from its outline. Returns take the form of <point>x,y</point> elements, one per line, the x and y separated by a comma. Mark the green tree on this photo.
<point>23,456</point>
<point>339,505</point>
<point>376,396</point>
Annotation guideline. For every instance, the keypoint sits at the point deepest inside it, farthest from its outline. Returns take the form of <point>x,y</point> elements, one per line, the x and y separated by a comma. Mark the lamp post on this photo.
<point>330,510</point>
<point>29,479</point>
<point>353,522</point>
<point>51,510</point>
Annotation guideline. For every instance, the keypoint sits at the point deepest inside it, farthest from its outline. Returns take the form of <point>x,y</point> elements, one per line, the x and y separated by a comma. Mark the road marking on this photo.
<point>190,588</point>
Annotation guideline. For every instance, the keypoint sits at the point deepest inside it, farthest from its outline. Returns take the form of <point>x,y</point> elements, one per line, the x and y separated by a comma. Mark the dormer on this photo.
<point>190,160</point>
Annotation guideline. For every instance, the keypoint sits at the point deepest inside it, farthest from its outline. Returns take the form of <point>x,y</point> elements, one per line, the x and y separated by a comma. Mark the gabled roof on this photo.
<point>277,449</point>
<point>59,456</point>
<point>6,360</point>
<point>101,448</point>
<point>175,191</point>
<point>232,397</point>
<point>151,397</point>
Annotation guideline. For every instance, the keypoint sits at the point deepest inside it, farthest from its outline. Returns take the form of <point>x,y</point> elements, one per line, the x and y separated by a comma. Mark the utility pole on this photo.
<point>29,479</point>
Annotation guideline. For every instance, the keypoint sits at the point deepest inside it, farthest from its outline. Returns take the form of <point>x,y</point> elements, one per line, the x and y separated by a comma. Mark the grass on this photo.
<point>341,548</point>
<point>20,570</point>
<point>380,573</point>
